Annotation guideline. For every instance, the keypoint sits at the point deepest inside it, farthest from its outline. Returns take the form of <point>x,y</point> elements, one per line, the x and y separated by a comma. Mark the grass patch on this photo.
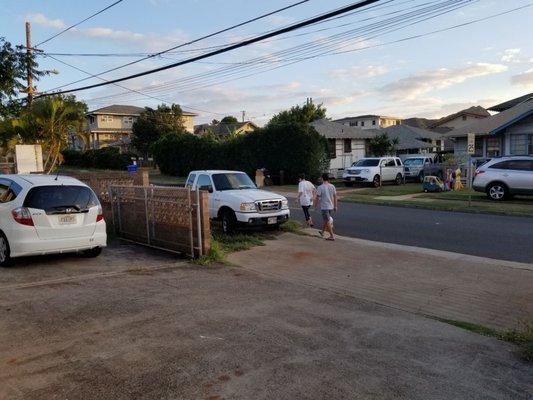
<point>522,336</point>
<point>292,227</point>
<point>157,178</point>
<point>391,190</point>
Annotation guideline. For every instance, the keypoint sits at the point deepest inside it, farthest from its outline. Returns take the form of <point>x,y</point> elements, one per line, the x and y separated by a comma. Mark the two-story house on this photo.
<point>112,125</point>
<point>369,121</point>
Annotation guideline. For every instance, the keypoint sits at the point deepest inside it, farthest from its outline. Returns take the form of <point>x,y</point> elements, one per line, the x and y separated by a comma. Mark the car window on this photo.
<point>413,161</point>
<point>190,181</point>
<point>390,163</point>
<point>368,162</point>
<point>59,198</point>
<point>500,165</point>
<point>520,165</point>
<point>204,182</point>
<point>232,181</point>
<point>9,190</point>
<point>398,162</point>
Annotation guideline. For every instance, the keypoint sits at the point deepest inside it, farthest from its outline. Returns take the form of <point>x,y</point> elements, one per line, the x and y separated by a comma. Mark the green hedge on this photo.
<point>292,148</point>
<point>105,158</point>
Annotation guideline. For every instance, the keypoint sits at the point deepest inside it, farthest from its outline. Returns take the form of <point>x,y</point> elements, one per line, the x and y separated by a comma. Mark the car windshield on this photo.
<point>232,181</point>
<point>61,199</point>
<point>368,162</point>
<point>413,161</point>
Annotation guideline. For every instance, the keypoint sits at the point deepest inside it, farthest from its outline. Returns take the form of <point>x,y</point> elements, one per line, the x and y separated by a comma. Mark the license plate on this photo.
<point>272,220</point>
<point>352,179</point>
<point>67,219</point>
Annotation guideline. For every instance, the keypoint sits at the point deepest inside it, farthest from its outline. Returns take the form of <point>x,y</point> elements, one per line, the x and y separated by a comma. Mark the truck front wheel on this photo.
<point>228,222</point>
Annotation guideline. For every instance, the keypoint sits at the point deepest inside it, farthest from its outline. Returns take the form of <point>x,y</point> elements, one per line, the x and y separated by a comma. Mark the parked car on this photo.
<point>43,214</point>
<point>235,200</point>
<point>419,166</point>
<point>371,170</point>
<point>502,178</point>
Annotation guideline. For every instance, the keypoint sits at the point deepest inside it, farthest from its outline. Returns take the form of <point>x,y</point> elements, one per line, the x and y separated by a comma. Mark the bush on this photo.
<point>105,158</point>
<point>291,147</point>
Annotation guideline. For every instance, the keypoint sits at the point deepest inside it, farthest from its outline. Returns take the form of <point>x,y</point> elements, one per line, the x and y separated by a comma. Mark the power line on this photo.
<point>232,47</point>
<point>307,51</point>
<point>190,42</point>
<point>78,23</point>
<point>129,89</point>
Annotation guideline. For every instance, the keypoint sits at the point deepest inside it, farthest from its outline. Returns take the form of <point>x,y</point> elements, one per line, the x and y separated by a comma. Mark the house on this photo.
<point>348,144</point>
<point>510,132</point>
<point>221,130</point>
<point>112,125</point>
<point>369,121</point>
<point>460,118</point>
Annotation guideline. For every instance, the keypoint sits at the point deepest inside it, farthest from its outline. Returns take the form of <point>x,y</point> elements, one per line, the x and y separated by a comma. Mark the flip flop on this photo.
<point>321,233</point>
<point>330,239</point>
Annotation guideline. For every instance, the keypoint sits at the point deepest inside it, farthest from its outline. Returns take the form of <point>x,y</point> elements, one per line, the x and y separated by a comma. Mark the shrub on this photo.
<point>105,158</point>
<point>292,148</point>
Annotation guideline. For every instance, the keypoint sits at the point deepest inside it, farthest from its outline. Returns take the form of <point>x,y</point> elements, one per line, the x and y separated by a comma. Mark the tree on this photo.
<point>13,73</point>
<point>229,119</point>
<point>302,115</point>
<point>49,121</point>
<point>382,145</point>
<point>153,124</point>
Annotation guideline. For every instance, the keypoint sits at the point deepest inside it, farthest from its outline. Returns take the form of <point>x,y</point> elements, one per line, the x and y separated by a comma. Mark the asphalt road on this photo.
<point>493,236</point>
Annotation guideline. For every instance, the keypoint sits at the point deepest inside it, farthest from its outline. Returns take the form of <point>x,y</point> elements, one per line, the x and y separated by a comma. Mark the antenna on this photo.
<point>57,175</point>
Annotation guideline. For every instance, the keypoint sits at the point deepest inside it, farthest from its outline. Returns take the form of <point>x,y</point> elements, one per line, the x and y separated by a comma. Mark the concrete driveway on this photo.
<point>135,324</point>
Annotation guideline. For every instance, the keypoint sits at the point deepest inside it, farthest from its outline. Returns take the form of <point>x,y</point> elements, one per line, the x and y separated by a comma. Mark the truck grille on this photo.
<point>268,205</point>
<point>354,171</point>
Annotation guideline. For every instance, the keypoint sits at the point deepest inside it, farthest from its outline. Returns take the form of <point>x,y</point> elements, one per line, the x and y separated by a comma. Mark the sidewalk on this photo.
<point>496,294</point>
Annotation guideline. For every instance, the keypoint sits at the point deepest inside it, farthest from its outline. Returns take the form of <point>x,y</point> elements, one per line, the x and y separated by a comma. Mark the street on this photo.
<point>494,236</point>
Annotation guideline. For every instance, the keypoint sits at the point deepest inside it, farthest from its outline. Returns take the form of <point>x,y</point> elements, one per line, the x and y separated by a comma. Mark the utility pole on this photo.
<point>243,115</point>
<point>29,76</point>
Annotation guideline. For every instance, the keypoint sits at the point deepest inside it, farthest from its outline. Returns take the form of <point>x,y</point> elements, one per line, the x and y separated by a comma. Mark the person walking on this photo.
<point>306,195</point>
<point>326,199</point>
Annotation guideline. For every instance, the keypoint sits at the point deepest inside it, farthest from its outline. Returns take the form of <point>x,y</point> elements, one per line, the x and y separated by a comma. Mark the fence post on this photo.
<point>206,224</point>
<point>146,217</point>
<point>141,177</point>
<point>199,222</point>
<point>191,233</point>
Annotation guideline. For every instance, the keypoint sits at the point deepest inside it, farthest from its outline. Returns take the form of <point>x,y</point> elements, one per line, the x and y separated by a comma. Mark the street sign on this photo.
<point>471,146</point>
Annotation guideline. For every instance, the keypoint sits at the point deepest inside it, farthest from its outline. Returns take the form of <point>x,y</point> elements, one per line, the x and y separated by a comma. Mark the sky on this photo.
<point>351,64</point>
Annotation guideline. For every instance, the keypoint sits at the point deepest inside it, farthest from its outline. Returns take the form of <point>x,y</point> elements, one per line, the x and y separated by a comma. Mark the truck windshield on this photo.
<point>232,181</point>
<point>369,162</point>
<point>413,161</point>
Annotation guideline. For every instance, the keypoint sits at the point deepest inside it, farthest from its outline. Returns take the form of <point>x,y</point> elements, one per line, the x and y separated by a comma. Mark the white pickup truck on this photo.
<point>235,200</point>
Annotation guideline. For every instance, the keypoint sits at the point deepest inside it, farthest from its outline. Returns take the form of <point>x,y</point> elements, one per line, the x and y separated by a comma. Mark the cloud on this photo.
<point>41,19</point>
<point>428,81</point>
<point>524,79</point>
<point>511,56</point>
<point>359,71</point>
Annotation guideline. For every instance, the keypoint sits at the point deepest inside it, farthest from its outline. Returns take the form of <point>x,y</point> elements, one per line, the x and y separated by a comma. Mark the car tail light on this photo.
<point>23,216</point>
<point>100,215</point>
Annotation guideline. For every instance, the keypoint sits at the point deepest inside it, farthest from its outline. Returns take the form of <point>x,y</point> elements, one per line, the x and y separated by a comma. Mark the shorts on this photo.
<point>326,215</point>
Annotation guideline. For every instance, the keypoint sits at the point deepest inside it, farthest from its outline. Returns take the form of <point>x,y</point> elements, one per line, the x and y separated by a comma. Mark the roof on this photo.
<point>117,109</point>
<point>221,129</point>
<point>510,103</point>
<point>365,116</point>
<point>496,123</point>
<point>28,180</point>
<point>417,122</point>
<point>477,111</point>
<point>335,130</point>
<point>408,136</point>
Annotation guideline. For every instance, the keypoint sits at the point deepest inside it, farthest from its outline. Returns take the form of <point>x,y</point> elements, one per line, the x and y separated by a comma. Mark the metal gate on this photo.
<point>160,217</point>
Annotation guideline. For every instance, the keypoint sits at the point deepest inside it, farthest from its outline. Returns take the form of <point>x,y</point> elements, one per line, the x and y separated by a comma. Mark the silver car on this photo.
<point>504,177</point>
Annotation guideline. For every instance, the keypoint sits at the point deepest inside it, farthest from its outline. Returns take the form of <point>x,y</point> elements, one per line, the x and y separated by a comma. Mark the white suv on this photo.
<point>373,169</point>
<point>43,214</point>
<point>504,177</point>
<point>235,200</point>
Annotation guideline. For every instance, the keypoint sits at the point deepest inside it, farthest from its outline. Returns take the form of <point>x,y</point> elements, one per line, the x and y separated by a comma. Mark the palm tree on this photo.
<point>49,121</point>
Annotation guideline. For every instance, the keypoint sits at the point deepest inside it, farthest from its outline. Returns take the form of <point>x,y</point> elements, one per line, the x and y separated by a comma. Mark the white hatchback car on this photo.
<point>43,214</point>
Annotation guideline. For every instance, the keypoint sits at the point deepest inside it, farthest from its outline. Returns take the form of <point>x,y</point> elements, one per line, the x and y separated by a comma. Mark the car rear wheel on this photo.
<point>398,180</point>
<point>228,222</point>
<point>376,181</point>
<point>91,253</point>
<point>5,259</point>
<point>497,191</point>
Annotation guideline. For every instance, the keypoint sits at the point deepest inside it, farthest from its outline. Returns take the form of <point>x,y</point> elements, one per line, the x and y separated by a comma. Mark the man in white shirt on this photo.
<point>326,198</point>
<point>306,195</point>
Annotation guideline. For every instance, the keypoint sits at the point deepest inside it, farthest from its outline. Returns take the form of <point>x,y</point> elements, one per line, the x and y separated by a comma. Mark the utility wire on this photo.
<point>229,48</point>
<point>189,42</point>
<point>78,23</point>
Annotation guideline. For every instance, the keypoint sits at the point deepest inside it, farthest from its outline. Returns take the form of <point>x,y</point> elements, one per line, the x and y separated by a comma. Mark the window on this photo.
<point>493,146</point>
<point>9,190</point>
<point>353,123</point>
<point>362,123</point>
<point>356,123</point>
<point>522,144</point>
<point>56,199</point>
<point>233,181</point>
<point>464,117</point>
<point>373,122</point>
<point>368,162</point>
<point>332,148</point>
<point>347,145</point>
<point>107,118</point>
<point>390,163</point>
<point>398,162</point>
<point>91,119</point>
<point>204,182</point>
<point>127,120</point>
<point>521,165</point>
<point>190,181</point>
<point>398,122</point>
<point>479,147</point>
